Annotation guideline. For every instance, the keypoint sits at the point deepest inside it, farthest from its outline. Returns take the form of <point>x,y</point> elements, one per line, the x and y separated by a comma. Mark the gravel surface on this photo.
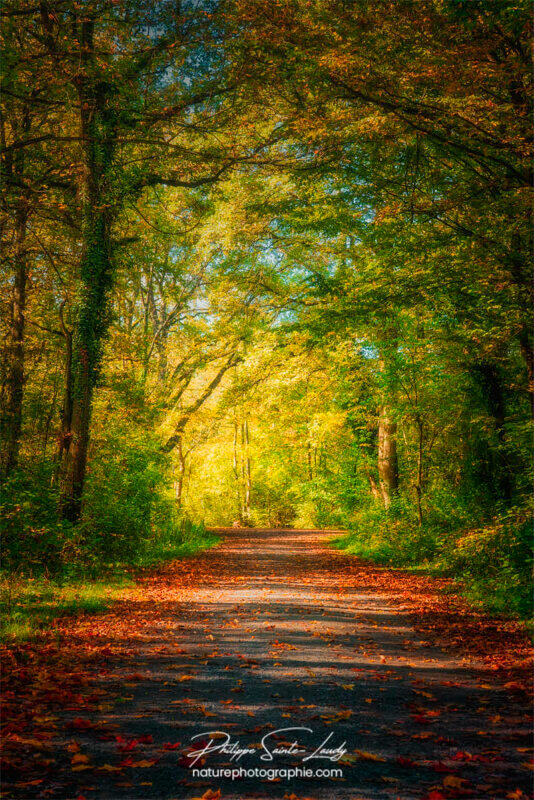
<point>278,631</point>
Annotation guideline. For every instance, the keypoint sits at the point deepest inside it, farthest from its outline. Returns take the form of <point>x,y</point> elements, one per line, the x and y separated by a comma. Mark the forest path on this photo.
<point>273,629</point>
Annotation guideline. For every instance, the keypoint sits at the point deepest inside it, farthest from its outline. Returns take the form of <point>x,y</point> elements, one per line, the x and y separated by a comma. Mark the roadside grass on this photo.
<point>194,541</point>
<point>489,564</point>
<point>28,605</point>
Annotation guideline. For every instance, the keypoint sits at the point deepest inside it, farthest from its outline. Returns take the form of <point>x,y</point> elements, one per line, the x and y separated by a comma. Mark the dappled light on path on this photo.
<point>274,630</point>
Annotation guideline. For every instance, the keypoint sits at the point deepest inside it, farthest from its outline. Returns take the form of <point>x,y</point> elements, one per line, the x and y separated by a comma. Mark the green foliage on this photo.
<point>307,264</point>
<point>34,538</point>
<point>129,518</point>
<point>177,537</point>
<point>492,563</point>
<point>123,495</point>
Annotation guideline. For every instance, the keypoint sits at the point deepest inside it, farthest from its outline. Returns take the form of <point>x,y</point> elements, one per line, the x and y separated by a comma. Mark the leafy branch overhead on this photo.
<point>273,259</point>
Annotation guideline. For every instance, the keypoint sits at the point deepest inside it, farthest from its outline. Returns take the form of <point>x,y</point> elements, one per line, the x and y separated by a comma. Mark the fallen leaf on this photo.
<point>80,758</point>
<point>453,782</point>
<point>368,756</point>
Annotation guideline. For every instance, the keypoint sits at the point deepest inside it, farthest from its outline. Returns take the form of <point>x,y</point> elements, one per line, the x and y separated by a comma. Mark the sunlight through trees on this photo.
<point>268,263</point>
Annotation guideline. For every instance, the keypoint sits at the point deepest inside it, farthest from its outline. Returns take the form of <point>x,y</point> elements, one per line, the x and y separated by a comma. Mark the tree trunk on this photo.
<point>418,485</point>
<point>248,478</point>
<point>375,491</point>
<point>388,468</point>
<point>520,261</point>
<point>309,454</point>
<point>528,356</point>
<point>13,389</point>
<point>91,317</point>
<point>373,486</point>
<point>490,382</point>
<point>179,484</point>
<point>66,411</point>
<point>235,465</point>
<point>14,384</point>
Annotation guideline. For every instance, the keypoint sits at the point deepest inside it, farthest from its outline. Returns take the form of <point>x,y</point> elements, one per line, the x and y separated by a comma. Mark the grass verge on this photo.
<point>490,565</point>
<point>29,604</point>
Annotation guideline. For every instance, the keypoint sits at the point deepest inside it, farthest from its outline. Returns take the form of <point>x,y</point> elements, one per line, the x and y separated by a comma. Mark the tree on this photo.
<point>125,75</point>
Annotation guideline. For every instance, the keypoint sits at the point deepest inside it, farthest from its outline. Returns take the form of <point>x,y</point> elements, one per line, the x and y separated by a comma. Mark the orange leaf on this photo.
<point>29,783</point>
<point>368,756</point>
<point>80,758</point>
<point>452,782</point>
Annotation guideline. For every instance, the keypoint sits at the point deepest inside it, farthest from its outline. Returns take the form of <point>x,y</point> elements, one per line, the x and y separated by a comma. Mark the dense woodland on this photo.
<point>268,262</point>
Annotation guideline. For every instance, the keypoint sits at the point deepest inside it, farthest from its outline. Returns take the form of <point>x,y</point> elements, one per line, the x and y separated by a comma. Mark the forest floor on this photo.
<point>415,694</point>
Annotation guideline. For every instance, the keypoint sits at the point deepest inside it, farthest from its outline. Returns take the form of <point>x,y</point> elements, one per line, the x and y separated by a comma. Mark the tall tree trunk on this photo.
<point>235,465</point>
<point>528,357</point>
<point>91,317</point>
<point>388,467</point>
<point>490,382</point>
<point>520,263</point>
<point>246,479</point>
<point>418,484</point>
<point>248,476</point>
<point>309,455</point>
<point>14,383</point>
<point>13,389</point>
<point>66,410</point>
<point>375,491</point>
<point>373,486</point>
<point>179,484</point>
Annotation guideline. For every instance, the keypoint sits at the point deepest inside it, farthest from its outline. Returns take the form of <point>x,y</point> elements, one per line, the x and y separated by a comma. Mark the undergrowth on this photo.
<point>28,604</point>
<point>490,561</point>
<point>51,568</point>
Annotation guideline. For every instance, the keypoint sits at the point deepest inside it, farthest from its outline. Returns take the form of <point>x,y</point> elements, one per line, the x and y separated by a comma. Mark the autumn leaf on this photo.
<point>80,724</point>
<point>79,758</point>
<point>453,782</point>
<point>25,784</point>
<point>405,762</point>
<point>365,756</point>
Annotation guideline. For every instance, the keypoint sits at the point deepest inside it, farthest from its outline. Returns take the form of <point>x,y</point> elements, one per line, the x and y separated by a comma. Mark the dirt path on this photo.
<point>273,630</point>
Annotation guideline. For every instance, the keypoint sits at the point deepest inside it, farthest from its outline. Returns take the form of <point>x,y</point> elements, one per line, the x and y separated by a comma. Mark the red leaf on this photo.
<point>80,724</point>
<point>405,762</point>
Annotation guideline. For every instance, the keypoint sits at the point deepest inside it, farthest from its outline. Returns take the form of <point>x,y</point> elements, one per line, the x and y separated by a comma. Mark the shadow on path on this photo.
<point>277,631</point>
